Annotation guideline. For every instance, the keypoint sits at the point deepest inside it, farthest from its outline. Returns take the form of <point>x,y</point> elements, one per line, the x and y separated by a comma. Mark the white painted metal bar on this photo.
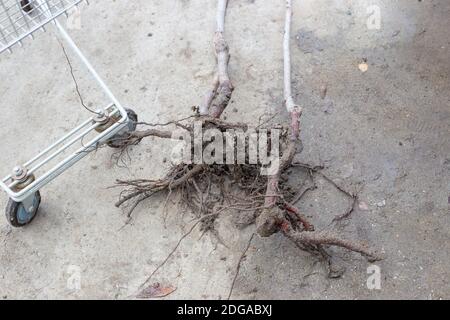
<point>48,149</point>
<point>63,148</point>
<point>63,165</point>
<point>58,142</point>
<point>93,72</point>
<point>61,140</point>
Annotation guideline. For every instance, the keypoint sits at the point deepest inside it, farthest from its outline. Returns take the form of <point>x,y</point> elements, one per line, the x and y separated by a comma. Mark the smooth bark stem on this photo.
<point>293,109</point>
<point>267,222</point>
<point>287,58</point>
<point>224,88</point>
<point>217,98</point>
<point>221,12</point>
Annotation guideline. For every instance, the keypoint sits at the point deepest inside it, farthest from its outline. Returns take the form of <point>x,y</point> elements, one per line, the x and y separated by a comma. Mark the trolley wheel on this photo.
<point>119,140</point>
<point>19,216</point>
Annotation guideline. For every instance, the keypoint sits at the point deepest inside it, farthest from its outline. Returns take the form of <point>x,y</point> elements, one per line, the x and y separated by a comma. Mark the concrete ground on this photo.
<point>383,132</point>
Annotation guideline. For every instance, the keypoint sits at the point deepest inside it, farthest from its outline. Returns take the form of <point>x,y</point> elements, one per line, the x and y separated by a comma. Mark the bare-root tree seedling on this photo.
<point>210,190</point>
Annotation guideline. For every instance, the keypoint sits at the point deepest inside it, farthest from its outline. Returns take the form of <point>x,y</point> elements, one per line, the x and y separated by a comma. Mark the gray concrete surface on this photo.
<point>384,132</point>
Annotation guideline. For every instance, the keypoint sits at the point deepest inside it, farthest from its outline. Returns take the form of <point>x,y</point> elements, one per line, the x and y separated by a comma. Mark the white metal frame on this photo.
<point>76,135</point>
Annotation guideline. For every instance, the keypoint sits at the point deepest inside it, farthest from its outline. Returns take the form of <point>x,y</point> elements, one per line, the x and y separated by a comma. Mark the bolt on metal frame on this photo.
<point>16,24</point>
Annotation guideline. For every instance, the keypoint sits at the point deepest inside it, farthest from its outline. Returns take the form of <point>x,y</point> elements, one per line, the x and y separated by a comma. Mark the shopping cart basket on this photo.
<point>20,19</point>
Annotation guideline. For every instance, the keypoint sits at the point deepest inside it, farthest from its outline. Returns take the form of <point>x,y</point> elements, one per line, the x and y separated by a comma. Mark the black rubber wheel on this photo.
<point>19,216</point>
<point>119,140</point>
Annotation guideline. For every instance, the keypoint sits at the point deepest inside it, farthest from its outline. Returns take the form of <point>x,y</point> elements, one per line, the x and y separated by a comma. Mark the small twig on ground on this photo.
<point>170,254</point>
<point>302,193</point>
<point>318,170</point>
<point>349,211</point>
<point>238,267</point>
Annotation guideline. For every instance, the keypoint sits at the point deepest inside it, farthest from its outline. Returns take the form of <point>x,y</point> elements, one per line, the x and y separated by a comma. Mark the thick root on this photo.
<point>328,238</point>
<point>269,221</point>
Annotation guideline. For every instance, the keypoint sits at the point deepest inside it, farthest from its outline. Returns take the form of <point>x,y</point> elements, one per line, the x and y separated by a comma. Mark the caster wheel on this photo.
<point>19,216</point>
<point>119,140</point>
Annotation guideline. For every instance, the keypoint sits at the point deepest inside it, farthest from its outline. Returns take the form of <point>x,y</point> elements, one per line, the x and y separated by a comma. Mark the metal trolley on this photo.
<point>20,19</point>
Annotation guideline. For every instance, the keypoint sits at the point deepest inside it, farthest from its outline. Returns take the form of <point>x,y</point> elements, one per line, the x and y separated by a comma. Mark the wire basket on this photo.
<point>20,18</point>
